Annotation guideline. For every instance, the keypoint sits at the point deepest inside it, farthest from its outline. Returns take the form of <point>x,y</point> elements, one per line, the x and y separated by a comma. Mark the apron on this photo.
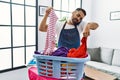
<point>69,38</point>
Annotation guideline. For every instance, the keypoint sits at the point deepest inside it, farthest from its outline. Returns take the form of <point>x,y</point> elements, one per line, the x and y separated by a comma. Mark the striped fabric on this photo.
<point>50,38</point>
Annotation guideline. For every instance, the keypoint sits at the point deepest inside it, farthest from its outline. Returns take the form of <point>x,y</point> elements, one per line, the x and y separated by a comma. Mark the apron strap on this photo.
<point>64,24</point>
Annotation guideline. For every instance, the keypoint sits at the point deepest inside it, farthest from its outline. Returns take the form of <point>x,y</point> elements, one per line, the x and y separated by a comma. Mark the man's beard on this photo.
<point>75,22</point>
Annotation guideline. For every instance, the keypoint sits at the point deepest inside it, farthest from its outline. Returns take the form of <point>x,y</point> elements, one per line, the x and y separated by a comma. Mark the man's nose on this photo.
<point>79,19</point>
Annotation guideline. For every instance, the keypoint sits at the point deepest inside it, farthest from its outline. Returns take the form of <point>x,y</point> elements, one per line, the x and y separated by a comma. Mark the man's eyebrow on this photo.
<point>80,15</point>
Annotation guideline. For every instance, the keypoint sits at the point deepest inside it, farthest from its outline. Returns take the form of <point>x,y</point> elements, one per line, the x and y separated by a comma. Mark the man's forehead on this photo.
<point>80,13</point>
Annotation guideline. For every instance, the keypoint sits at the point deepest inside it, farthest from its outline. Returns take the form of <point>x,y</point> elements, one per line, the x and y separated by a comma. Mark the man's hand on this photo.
<point>86,32</point>
<point>43,26</point>
<point>48,10</point>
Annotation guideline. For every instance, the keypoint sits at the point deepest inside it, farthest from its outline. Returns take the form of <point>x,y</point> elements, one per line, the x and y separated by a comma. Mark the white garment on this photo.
<point>50,38</point>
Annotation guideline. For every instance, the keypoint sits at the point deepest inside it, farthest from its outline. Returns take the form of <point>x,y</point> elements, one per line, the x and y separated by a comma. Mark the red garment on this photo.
<point>80,52</point>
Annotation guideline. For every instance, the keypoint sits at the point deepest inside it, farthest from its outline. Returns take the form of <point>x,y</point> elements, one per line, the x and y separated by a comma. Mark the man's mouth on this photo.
<point>75,20</point>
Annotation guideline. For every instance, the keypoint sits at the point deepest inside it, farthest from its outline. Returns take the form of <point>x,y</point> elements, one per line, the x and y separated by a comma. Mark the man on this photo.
<point>68,33</point>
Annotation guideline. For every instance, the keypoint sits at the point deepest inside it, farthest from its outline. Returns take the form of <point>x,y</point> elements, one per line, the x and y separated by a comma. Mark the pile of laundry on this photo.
<point>80,52</point>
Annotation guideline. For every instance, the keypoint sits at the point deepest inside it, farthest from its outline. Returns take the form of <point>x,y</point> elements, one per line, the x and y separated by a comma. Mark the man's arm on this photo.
<point>90,26</point>
<point>43,26</point>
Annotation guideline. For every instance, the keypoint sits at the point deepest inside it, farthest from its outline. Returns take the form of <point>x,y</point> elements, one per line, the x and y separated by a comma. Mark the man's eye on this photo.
<point>78,15</point>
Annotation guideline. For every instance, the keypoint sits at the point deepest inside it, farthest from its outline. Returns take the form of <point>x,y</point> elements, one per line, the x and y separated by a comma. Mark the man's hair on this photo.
<point>80,9</point>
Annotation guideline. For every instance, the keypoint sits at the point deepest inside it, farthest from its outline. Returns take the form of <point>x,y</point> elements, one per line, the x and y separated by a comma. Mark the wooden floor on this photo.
<point>86,78</point>
<point>97,75</point>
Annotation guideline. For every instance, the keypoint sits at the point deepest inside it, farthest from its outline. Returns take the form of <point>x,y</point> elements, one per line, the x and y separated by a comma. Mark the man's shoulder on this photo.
<point>60,23</point>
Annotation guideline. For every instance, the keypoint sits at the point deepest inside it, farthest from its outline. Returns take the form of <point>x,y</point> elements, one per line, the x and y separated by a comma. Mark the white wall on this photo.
<point>107,35</point>
<point>87,4</point>
<point>42,35</point>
